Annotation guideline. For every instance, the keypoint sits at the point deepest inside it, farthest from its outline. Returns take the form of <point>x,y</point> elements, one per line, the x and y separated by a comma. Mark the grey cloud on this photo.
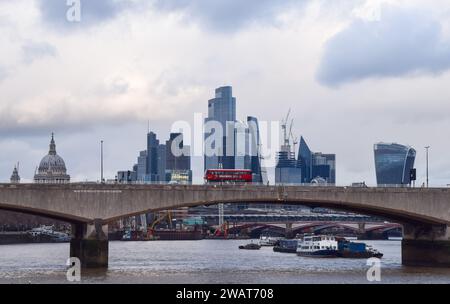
<point>218,15</point>
<point>37,50</point>
<point>92,12</point>
<point>402,42</point>
<point>227,15</point>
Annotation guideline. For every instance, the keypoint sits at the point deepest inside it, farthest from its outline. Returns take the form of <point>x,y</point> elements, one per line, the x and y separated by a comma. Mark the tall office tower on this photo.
<point>222,109</point>
<point>393,163</point>
<point>178,160</point>
<point>175,161</point>
<point>254,151</point>
<point>316,165</point>
<point>324,166</point>
<point>162,163</point>
<point>241,158</point>
<point>141,172</point>
<point>152,157</point>
<point>287,170</point>
<point>305,161</point>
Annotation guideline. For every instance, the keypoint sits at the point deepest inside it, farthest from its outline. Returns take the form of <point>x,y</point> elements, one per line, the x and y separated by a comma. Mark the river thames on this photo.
<point>206,261</point>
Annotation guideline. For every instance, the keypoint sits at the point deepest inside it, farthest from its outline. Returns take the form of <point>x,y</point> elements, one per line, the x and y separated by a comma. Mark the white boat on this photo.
<point>268,240</point>
<point>49,232</point>
<point>319,246</point>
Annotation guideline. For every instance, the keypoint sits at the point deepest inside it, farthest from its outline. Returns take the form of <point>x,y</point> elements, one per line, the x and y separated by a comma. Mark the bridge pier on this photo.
<point>90,244</point>
<point>289,233</point>
<point>425,245</point>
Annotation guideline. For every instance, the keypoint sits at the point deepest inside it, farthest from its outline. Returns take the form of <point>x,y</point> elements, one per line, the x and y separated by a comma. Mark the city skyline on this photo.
<point>154,166</point>
<point>276,56</point>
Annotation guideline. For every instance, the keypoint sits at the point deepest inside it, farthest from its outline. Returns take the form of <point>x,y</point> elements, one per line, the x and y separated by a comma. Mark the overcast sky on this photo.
<point>354,72</point>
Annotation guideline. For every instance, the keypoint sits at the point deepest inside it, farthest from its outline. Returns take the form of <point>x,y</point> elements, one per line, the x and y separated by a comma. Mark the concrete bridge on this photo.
<point>424,213</point>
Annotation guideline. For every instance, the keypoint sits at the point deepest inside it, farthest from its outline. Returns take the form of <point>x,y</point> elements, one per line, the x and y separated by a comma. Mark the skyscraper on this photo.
<point>254,158</point>
<point>287,170</point>
<point>177,160</point>
<point>152,158</point>
<point>222,109</point>
<point>316,165</point>
<point>324,166</point>
<point>393,163</point>
<point>142,166</point>
<point>159,163</point>
<point>305,161</point>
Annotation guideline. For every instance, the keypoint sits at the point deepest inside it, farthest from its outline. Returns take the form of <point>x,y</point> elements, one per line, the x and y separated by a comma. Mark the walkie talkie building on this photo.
<point>393,163</point>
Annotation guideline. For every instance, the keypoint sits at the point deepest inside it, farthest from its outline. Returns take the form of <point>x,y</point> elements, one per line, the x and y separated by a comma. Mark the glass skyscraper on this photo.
<point>305,161</point>
<point>316,165</point>
<point>393,163</point>
<point>324,166</point>
<point>152,158</point>
<point>222,109</point>
<point>254,157</point>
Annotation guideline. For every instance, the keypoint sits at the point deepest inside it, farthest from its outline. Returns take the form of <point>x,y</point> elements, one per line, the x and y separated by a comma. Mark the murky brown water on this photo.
<point>206,261</point>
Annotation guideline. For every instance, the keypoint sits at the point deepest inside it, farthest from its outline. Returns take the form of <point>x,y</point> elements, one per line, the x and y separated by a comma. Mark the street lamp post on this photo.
<point>428,148</point>
<point>101,162</point>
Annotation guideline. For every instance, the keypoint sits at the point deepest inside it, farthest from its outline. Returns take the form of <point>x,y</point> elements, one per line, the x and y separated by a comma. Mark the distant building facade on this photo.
<point>324,166</point>
<point>393,163</point>
<point>287,170</point>
<point>52,168</point>
<point>309,167</point>
<point>161,163</point>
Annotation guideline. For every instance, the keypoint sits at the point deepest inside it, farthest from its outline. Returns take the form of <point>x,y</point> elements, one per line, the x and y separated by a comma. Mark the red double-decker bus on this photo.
<point>228,176</point>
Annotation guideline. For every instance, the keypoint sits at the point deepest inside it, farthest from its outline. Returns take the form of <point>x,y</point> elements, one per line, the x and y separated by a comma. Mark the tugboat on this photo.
<point>267,240</point>
<point>286,246</point>
<point>251,246</point>
<point>351,250</point>
<point>318,246</point>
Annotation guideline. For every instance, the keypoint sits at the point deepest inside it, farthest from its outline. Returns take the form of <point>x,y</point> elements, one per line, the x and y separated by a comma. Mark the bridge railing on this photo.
<point>322,185</point>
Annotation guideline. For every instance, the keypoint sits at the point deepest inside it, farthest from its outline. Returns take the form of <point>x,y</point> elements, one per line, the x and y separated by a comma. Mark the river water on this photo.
<point>206,261</point>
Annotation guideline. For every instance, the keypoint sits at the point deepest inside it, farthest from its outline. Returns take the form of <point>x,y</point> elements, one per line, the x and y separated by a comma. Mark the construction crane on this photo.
<point>167,215</point>
<point>294,139</point>
<point>284,128</point>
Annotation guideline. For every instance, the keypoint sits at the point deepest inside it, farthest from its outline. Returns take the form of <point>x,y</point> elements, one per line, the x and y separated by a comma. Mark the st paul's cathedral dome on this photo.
<point>52,168</point>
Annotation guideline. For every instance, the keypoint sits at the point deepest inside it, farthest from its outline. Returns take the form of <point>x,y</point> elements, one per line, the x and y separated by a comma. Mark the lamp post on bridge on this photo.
<point>101,162</point>
<point>427,148</point>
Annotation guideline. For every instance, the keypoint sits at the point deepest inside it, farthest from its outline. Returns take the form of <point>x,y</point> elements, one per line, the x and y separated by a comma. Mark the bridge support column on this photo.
<point>426,246</point>
<point>90,244</point>
<point>289,233</point>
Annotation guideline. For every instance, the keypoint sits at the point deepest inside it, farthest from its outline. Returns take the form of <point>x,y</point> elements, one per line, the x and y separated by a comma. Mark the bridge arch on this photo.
<point>68,218</point>
<point>403,217</point>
